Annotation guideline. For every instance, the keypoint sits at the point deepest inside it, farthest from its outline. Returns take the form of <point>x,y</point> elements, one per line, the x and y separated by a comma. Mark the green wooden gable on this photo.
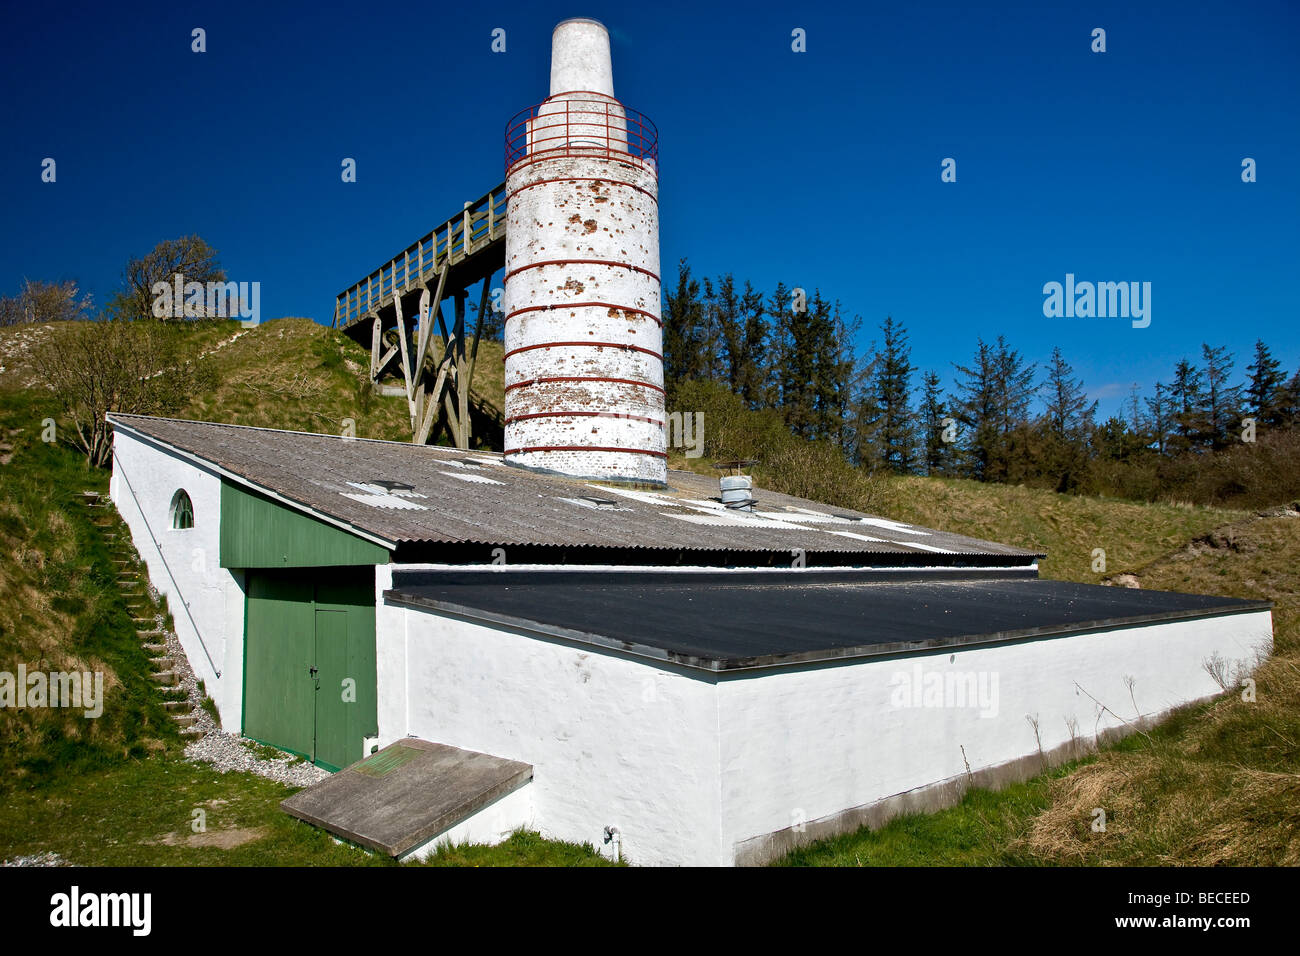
<point>259,532</point>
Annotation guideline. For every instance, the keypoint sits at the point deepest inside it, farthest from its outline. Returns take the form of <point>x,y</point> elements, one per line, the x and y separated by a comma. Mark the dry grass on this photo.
<point>1220,784</point>
<point>1067,527</point>
<point>1167,809</point>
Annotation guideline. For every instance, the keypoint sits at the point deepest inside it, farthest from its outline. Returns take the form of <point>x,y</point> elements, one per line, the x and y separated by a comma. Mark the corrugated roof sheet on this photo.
<point>437,494</point>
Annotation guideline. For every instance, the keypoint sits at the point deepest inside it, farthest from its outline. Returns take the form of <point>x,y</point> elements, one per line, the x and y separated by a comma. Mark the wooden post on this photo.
<point>462,373</point>
<point>403,343</point>
<point>426,323</point>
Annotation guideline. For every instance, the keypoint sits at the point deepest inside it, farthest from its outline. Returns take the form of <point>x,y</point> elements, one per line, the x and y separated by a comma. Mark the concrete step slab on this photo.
<point>398,800</point>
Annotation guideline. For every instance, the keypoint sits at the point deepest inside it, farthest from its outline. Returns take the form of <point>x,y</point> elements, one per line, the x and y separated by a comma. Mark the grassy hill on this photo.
<point>296,374</point>
<point>60,609</point>
<point>1067,527</point>
<point>287,373</point>
<point>1218,783</point>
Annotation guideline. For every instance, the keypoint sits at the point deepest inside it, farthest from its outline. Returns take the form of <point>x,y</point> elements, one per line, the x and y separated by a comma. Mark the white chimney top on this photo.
<point>580,59</point>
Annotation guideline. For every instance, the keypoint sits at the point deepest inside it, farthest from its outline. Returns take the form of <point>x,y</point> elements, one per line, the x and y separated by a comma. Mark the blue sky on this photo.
<point>820,169</point>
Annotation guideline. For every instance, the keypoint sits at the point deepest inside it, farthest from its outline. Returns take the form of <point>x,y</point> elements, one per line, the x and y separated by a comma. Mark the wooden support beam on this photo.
<point>404,344</point>
<point>478,329</point>
<point>462,374</point>
<point>433,402</point>
<point>428,305</point>
<point>385,360</point>
<point>376,335</point>
<point>449,410</point>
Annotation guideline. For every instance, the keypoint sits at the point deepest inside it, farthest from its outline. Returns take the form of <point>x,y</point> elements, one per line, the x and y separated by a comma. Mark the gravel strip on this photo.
<point>227,751</point>
<point>48,858</point>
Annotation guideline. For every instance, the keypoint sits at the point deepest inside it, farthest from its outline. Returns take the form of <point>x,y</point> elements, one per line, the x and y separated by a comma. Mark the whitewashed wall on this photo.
<point>612,742</point>
<point>697,771</point>
<point>798,746</point>
<point>206,600</point>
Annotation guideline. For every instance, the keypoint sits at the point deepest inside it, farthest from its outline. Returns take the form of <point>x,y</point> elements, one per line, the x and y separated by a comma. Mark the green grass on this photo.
<point>980,831</point>
<point>1067,527</point>
<point>141,812</point>
<point>298,375</point>
<point>60,609</point>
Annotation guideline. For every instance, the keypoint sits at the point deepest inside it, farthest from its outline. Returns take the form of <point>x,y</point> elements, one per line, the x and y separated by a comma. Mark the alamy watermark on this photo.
<point>179,299</point>
<point>1102,300</point>
<point>73,689</point>
<point>127,910</point>
<point>945,690</point>
<point>686,430</point>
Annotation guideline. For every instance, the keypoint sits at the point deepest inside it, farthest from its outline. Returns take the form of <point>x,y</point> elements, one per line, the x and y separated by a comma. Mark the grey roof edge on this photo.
<point>1025,558</point>
<point>506,575</point>
<point>723,666</point>
<point>116,418</point>
<point>255,486</point>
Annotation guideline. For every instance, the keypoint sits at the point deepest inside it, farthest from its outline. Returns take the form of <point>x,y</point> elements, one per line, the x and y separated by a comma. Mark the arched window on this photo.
<point>182,510</point>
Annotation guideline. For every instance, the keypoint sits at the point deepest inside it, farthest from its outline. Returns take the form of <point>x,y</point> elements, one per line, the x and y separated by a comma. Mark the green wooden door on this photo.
<point>309,675</point>
<point>279,693</point>
<point>335,691</point>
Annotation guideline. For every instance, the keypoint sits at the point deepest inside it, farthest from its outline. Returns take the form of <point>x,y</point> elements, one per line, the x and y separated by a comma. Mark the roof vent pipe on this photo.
<point>737,492</point>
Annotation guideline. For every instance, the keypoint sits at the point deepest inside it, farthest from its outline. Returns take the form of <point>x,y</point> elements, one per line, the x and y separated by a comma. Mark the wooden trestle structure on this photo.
<point>395,308</point>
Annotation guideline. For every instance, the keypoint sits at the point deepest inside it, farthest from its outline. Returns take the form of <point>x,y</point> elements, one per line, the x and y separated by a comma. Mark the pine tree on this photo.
<point>844,375</point>
<point>1069,421</point>
<point>752,381</point>
<point>1160,414</point>
<point>1222,404</point>
<point>1014,390</point>
<point>684,330</point>
<point>936,454</point>
<point>1136,422</point>
<point>977,409</point>
<point>797,362</point>
<point>1189,427</point>
<point>892,385</point>
<point>1266,390</point>
<point>1289,410</point>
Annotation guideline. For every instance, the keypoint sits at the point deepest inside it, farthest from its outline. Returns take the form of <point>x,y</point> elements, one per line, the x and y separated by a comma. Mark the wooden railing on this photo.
<point>478,225</point>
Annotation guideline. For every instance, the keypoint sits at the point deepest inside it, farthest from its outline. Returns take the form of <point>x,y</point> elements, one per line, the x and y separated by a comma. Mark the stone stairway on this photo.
<point>145,614</point>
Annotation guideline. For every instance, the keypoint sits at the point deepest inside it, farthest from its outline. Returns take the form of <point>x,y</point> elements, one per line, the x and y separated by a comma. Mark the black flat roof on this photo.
<point>719,623</point>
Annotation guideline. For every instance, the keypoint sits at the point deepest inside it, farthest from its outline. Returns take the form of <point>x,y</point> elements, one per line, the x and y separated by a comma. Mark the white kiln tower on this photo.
<point>583,336</point>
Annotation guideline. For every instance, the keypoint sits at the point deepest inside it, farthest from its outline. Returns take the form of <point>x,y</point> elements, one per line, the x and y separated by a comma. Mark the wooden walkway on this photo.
<point>394,309</point>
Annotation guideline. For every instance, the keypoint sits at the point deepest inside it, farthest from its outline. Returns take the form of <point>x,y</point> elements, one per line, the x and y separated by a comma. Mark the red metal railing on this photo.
<point>581,127</point>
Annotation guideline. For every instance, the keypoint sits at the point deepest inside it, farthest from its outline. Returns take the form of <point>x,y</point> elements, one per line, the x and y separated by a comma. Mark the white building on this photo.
<point>672,681</point>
